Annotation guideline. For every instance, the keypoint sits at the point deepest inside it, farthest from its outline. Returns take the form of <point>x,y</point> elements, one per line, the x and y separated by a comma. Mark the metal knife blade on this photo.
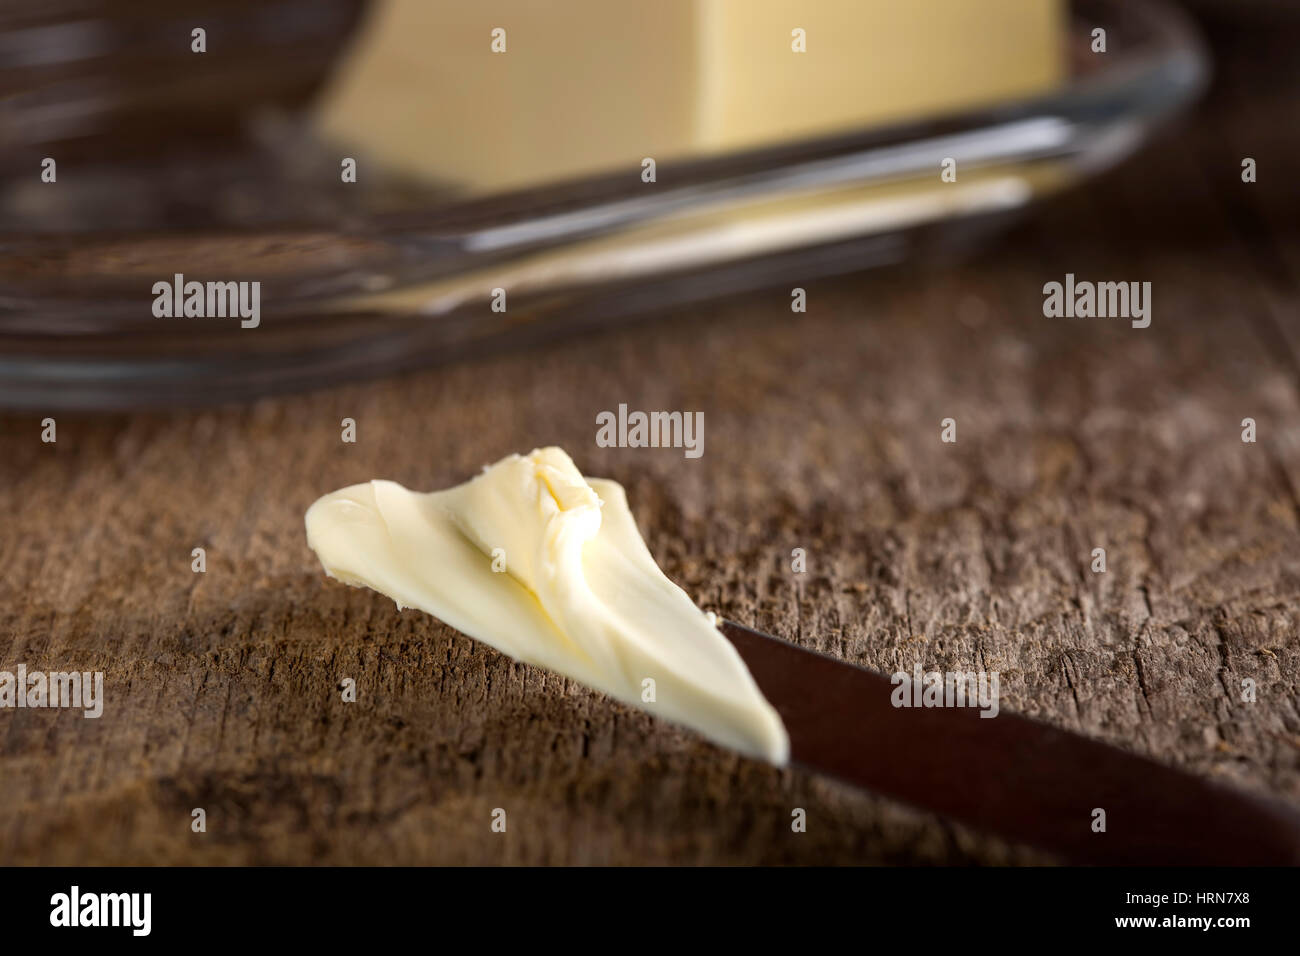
<point>1023,780</point>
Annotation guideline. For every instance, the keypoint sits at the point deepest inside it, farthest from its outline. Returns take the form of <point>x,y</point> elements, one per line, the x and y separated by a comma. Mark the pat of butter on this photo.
<point>588,86</point>
<point>548,567</point>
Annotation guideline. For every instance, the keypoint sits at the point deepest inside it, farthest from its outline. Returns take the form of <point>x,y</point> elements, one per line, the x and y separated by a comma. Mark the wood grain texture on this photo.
<point>822,432</point>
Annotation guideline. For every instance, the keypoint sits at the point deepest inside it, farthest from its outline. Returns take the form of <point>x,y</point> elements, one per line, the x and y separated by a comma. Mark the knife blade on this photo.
<point>1021,779</point>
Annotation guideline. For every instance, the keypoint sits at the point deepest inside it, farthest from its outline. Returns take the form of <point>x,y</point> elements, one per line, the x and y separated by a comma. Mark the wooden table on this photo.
<point>822,433</point>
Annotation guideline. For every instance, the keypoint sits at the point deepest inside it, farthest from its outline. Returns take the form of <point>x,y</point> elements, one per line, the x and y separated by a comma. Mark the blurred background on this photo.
<point>216,141</point>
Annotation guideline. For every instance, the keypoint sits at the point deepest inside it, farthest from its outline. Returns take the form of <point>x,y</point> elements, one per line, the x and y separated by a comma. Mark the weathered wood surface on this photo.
<point>822,432</point>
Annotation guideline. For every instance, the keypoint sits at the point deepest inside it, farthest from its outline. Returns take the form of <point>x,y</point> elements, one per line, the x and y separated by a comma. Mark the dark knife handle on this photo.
<point>1023,780</point>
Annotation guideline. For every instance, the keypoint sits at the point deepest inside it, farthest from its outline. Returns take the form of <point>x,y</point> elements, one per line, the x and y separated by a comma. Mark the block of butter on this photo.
<point>491,94</point>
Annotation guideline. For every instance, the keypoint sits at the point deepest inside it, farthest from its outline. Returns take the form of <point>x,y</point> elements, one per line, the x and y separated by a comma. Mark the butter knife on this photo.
<point>1026,781</point>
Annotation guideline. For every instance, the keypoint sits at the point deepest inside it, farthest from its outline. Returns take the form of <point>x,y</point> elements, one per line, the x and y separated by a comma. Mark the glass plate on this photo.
<point>397,275</point>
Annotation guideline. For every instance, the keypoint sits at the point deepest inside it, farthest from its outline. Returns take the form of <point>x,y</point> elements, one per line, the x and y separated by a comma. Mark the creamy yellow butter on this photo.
<point>491,94</point>
<point>548,567</point>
